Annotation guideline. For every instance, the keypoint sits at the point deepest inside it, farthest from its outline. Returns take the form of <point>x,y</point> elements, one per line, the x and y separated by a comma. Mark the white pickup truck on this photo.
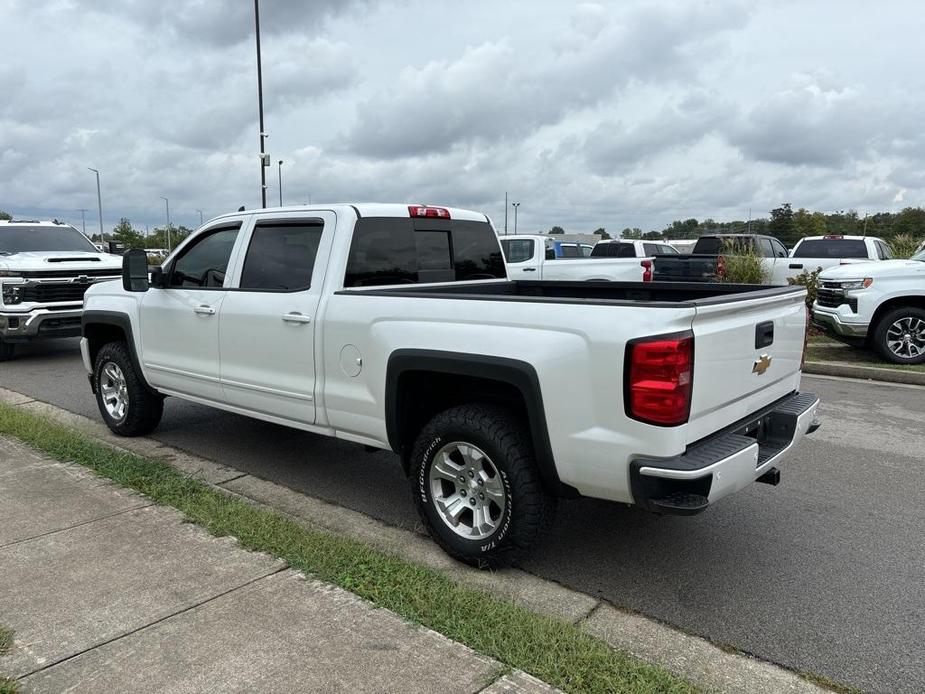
<point>532,257</point>
<point>395,326</point>
<point>880,305</point>
<point>45,268</point>
<point>814,252</point>
<point>632,248</point>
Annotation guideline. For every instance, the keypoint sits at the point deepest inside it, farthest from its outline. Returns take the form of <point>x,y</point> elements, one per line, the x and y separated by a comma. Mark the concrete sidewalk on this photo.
<point>107,592</point>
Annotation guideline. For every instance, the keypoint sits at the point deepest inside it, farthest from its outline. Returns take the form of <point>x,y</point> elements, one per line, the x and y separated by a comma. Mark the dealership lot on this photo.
<point>822,573</point>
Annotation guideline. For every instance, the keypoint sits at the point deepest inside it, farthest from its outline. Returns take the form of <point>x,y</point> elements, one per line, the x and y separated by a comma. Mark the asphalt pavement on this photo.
<point>824,573</point>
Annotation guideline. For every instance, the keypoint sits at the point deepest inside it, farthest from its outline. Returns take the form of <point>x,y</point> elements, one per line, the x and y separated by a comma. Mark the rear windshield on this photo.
<point>831,248</point>
<point>23,239</point>
<point>392,250</point>
<point>613,250</point>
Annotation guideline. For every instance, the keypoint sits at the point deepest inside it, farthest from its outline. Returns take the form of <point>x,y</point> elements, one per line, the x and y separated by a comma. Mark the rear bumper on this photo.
<point>725,462</point>
<point>40,323</point>
<point>831,322</point>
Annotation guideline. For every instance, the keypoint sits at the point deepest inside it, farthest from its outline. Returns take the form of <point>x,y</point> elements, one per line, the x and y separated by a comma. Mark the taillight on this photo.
<point>721,267</point>
<point>659,375</point>
<point>426,211</point>
<point>646,270</point>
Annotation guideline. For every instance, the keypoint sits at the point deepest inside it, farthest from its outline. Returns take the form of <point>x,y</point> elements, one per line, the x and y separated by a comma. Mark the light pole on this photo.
<point>99,200</point>
<point>264,160</point>
<point>515,205</point>
<point>505,213</point>
<point>167,203</point>
<point>280,166</point>
<point>200,217</point>
<point>83,220</point>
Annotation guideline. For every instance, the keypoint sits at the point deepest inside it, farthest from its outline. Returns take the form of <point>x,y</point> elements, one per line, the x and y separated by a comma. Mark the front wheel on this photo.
<point>127,405</point>
<point>476,485</point>
<point>900,336</point>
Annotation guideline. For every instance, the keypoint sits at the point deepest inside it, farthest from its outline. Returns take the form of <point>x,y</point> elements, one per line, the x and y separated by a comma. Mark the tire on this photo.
<point>489,441</point>
<point>114,374</point>
<point>899,336</point>
<point>6,350</point>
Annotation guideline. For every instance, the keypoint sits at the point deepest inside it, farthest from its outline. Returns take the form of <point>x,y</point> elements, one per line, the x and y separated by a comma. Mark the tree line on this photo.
<point>131,237</point>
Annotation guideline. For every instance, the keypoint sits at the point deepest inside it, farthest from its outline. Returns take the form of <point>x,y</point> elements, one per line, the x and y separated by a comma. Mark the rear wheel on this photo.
<point>127,405</point>
<point>6,350</point>
<point>476,485</point>
<point>900,335</point>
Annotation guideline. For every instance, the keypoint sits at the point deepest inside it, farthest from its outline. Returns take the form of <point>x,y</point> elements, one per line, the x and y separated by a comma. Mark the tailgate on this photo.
<point>684,269</point>
<point>747,354</point>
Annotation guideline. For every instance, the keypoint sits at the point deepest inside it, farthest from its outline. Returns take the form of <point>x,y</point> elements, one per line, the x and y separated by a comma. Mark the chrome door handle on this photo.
<point>529,269</point>
<point>296,317</point>
<point>205,310</point>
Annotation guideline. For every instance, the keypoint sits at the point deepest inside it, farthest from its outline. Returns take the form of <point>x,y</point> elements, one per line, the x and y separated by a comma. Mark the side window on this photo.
<point>205,261</point>
<point>765,249</point>
<point>518,250</point>
<point>651,249</point>
<point>668,250</point>
<point>382,252</point>
<point>586,251</point>
<point>281,256</point>
<point>883,251</point>
<point>570,250</point>
<point>476,253</point>
<point>778,248</point>
<point>550,253</point>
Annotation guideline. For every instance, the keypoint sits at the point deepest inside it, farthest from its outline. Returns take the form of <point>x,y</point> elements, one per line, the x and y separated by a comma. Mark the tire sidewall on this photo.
<point>883,328</point>
<point>424,459</point>
<point>106,355</point>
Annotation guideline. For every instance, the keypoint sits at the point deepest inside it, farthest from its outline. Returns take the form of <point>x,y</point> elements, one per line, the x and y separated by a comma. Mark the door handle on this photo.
<point>796,266</point>
<point>296,317</point>
<point>529,269</point>
<point>205,310</point>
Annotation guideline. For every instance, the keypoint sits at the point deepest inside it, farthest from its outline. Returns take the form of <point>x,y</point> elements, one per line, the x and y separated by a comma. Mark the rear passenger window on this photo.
<point>517,250</point>
<point>281,256</point>
<point>387,251</point>
<point>651,249</point>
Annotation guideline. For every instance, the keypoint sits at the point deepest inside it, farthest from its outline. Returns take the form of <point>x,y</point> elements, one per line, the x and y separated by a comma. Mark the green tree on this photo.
<point>634,233</point>
<point>808,223</point>
<point>5,215</point>
<point>909,222</point>
<point>600,231</point>
<point>782,227</point>
<point>127,235</point>
<point>557,230</point>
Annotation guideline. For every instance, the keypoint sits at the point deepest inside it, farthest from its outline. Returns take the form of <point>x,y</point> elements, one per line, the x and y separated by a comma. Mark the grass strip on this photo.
<point>7,686</point>
<point>855,356</point>
<point>552,650</point>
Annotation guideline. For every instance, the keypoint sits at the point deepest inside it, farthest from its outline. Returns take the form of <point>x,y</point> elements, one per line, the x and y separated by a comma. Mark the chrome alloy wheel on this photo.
<point>114,390</point>
<point>906,337</point>
<point>467,490</point>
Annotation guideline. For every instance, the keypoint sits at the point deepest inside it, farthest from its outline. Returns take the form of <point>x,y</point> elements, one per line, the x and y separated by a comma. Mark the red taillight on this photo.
<point>426,211</point>
<point>659,374</point>
<point>721,267</point>
<point>646,270</point>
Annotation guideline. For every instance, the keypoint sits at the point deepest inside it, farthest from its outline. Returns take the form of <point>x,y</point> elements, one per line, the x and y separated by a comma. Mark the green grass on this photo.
<point>552,650</point>
<point>851,355</point>
<point>827,683</point>
<point>7,686</point>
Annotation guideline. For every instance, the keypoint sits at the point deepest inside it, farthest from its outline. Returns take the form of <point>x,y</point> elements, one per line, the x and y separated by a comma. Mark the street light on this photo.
<point>167,203</point>
<point>280,182</point>
<point>515,205</point>
<point>264,159</point>
<point>99,200</point>
<point>200,217</point>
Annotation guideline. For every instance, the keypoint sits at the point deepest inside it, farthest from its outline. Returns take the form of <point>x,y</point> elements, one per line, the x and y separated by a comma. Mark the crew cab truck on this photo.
<point>395,327</point>
<point>629,248</point>
<point>812,253</point>
<point>704,263</point>
<point>879,305</point>
<point>45,268</point>
<point>533,257</point>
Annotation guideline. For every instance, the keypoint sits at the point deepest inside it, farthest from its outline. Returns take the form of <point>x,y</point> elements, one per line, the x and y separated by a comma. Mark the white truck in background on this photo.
<point>45,268</point>
<point>814,252</point>
<point>531,257</point>
<point>396,327</point>
<point>632,248</point>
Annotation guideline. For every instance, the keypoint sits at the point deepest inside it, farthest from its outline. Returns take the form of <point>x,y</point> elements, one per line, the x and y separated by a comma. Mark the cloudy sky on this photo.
<point>588,114</point>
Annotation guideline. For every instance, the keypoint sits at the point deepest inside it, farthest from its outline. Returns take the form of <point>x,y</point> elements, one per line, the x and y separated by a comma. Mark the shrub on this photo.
<point>904,245</point>
<point>810,281</point>
<point>740,264</point>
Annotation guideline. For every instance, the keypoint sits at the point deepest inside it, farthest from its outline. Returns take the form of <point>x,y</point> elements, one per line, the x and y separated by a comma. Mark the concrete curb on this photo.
<point>872,373</point>
<point>691,657</point>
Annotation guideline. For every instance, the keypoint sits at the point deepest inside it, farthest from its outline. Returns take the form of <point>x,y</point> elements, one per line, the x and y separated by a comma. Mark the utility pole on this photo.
<point>505,213</point>
<point>200,217</point>
<point>749,220</point>
<point>264,159</point>
<point>280,167</point>
<point>167,203</point>
<point>83,220</point>
<point>99,201</point>
<point>515,205</point>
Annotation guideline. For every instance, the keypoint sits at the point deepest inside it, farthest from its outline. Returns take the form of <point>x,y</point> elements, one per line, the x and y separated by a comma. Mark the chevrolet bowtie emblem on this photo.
<point>761,364</point>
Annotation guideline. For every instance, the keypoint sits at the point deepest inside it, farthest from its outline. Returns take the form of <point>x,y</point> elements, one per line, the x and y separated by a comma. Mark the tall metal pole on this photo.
<point>200,217</point>
<point>167,203</point>
<point>515,205</point>
<point>83,220</point>
<point>99,201</point>
<point>263,169</point>
<point>280,182</point>
<point>505,213</point>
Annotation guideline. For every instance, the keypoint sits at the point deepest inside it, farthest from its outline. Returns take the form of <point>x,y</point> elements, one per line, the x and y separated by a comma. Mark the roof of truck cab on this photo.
<point>840,237</point>
<point>363,209</point>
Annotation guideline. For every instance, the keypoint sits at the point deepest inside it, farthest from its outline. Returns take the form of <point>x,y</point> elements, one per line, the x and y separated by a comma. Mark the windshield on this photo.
<point>919,256</point>
<point>22,239</point>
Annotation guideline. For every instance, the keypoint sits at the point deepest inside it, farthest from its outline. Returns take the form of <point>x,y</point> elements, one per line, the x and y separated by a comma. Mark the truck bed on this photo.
<point>617,293</point>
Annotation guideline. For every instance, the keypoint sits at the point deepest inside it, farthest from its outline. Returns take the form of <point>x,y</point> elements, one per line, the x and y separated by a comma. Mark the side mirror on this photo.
<point>158,276</point>
<point>135,271</point>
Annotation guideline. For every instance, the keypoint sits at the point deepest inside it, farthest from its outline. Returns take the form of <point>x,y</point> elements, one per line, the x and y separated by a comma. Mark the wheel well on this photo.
<point>889,305</point>
<point>99,334</point>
